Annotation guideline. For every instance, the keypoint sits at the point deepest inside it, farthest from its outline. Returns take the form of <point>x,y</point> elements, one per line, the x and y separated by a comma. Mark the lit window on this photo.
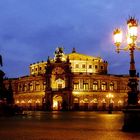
<point>17,102</point>
<point>94,101</point>
<point>103,101</point>
<point>24,87</point>
<point>96,66</point>
<point>37,101</point>
<point>90,66</point>
<point>59,86</point>
<point>23,102</point>
<point>76,100</point>
<point>44,85</point>
<point>95,85</point>
<point>30,101</point>
<point>85,86</point>
<point>19,87</point>
<point>37,86</point>
<point>31,87</point>
<point>103,86</point>
<point>120,102</point>
<point>102,67</point>
<point>76,86</point>
<point>83,66</point>
<point>77,66</point>
<point>111,86</point>
<point>86,100</point>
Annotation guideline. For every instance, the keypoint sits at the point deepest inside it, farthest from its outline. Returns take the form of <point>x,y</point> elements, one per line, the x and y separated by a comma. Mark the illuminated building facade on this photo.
<point>70,82</point>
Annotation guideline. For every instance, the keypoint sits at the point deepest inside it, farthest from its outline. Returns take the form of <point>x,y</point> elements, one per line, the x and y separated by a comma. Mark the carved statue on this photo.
<point>59,54</point>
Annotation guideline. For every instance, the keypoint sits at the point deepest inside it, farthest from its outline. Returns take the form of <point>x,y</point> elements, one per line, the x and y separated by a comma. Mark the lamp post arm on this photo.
<point>122,49</point>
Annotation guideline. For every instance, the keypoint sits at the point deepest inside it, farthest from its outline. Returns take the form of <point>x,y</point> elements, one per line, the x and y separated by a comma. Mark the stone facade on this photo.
<point>70,82</point>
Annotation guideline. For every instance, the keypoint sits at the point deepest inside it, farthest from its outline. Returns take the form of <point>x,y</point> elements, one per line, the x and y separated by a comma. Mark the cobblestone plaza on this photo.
<point>65,126</point>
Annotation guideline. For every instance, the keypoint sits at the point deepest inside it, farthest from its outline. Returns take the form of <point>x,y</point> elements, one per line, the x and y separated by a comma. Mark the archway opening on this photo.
<point>57,102</point>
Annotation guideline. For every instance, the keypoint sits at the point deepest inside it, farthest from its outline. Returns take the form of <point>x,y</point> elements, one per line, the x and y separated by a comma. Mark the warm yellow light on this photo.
<point>132,27</point>
<point>119,102</point>
<point>132,31</point>
<point>76,100</point>
<point>76,93</point>
<point>22,101</point>
<point>94,101</point>
<point>82,101</point>
<point>111,101</point>
<point>109,95</point>
<point>30,101</point>
<point>129,40</point>
<point>37,101</point>
<point>17,101</point>
<point>55,104</point>
<point>117,37</point>
<point>86,100</point>
<point>103,101</point>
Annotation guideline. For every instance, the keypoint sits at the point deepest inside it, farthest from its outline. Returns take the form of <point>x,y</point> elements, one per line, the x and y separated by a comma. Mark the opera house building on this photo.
<point>71,81</point>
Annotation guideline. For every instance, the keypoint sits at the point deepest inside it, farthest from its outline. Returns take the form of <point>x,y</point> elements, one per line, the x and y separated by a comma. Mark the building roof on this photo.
<point>78,56</point>
<point>74,56</point>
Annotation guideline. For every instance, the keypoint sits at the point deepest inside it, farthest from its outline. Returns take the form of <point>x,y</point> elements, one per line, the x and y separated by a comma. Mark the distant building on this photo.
<point>70,82</point>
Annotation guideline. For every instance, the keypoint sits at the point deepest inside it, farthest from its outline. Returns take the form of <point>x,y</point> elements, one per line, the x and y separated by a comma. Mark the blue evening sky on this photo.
<point>30,30</point>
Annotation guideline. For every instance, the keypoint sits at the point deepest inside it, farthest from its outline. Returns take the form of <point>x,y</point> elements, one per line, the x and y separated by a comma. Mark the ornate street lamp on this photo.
<point>109,96</point>
<point>132,113</point>
<point>132,25</point>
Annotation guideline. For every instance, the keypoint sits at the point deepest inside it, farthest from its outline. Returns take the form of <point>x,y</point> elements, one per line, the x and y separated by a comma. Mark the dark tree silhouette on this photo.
<point>9,94</point>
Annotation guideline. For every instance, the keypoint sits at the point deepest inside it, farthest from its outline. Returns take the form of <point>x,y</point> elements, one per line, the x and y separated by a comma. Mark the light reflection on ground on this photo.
<point>65,126</point>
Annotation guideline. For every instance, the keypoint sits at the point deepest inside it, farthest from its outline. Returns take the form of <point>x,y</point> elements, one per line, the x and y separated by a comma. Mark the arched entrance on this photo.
<point>57,102</point>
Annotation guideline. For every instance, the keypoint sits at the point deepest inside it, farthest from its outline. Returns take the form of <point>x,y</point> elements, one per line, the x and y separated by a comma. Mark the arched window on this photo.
<point>94,101</point>
<point>95,85</point>
<point>60,83</point>
<point>111,86</point>
<point>83,66</point>
<point>85,85</point>
<point>90,66</point>
<point>86,100</point>
<point>77,66</point>
<point>31,86</point>
<point>103,100</point>
<point>44,85</point>
<point>76,86</point>
<point>19,87</point>
<point>76,100</point>
<point>37,86</point>
<point>24,87</point>
<point>103,86</point>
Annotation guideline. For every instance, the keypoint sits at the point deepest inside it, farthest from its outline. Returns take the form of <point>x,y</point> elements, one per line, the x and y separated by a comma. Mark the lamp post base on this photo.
<point>131,119</point>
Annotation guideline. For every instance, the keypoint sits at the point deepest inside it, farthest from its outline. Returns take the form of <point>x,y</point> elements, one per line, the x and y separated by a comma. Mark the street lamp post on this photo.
<point>132,111</point>
<point>109,96</point>
<point>1,79</point>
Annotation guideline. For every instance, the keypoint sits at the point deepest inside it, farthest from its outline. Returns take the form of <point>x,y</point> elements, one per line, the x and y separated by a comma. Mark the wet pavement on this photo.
<point>65,126</point>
